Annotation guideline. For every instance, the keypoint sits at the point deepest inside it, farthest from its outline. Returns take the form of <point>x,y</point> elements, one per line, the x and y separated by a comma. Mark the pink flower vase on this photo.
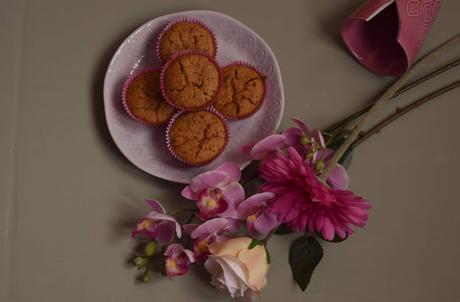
<point>386,35</point>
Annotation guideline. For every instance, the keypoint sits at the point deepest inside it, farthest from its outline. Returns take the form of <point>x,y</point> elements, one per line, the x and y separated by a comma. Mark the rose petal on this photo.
<point>255,260</point>
<point>229,247</point>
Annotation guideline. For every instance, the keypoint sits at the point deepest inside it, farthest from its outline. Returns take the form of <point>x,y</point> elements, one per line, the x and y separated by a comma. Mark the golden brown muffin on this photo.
<point>190,81</point>
<point>143,99</point>
<point>186,35</point>
<point>198,137</point>
<point>241,93</point>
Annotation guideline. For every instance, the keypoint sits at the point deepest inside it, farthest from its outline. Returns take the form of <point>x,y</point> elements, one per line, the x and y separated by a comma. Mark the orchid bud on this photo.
<point>150,248</point>
<point>319,166</point>
<point>304,140</point>
<point>146,278</point>
<point>140,261</point>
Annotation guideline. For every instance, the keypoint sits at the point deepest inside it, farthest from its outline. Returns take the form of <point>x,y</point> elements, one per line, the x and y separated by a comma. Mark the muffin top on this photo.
<point>190,81</point>
<point>144,100</point>
<point>197,137</point>
<point>186,35</point>
<point>241,93</point>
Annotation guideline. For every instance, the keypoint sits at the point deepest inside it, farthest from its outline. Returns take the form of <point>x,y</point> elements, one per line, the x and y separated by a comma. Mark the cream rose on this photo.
<point>236,268</point>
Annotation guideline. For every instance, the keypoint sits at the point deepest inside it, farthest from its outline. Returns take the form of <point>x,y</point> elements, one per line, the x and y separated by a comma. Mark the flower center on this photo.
<point>252,218</point>
<point>171,264</point>
<point>211,198</point>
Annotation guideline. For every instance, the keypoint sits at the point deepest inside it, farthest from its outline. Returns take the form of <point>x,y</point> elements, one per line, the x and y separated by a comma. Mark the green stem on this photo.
<point>402,111</point>
<point>398,84</point>
<point>355,115</point>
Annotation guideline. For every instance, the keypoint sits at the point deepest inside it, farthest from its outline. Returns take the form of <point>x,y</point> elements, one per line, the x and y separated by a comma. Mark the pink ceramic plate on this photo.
<point>145,146</point>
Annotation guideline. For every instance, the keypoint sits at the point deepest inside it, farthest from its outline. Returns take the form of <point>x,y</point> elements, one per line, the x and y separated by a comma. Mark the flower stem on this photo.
<point>401,111</point>
<point>413,84</point>
<point>398,84</point>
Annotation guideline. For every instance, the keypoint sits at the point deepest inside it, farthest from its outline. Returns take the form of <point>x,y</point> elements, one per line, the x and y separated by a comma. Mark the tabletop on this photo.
<point>68,197</point>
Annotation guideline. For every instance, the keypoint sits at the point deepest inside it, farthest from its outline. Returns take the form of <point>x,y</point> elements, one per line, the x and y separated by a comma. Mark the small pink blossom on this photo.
<point>303,202</point>
<point>157,224</point>
<point>259,221</point>
<point>177,260</point>
<point>208,232</point>
<point>309,143</point>
<point>217,192</point>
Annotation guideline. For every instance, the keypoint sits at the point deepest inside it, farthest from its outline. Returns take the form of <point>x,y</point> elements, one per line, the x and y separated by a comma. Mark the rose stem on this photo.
<point>427,59</point>
<point>413,84</point>
<point>400,112</point>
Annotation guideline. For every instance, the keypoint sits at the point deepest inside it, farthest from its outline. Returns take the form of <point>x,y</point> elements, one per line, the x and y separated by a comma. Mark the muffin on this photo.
<point>197,138</point>
<point>143,100</point>
<point>186,35</point>
<point>190,81</point>
<point>242,91</point>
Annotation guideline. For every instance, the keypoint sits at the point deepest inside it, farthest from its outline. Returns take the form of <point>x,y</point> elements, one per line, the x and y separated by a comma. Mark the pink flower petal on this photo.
<point>189,194</point>
<point>270,143</point>
<point>328,229</point>
<point>210,227</point>
<point>252,204</point>
<point>155,205</point>
<point>264,224</point>
<point>318,137</point>
<point>302,125</point>
<point>189,228</point>
<point>233,171</point>
<point>338,179</point>
<point>213,179</point>
<point>293,136</point>
<point>160,216</point>
<point>233,193</point>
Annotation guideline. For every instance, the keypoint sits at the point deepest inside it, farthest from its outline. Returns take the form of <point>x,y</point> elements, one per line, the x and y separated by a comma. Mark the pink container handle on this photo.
<point>386,35</point>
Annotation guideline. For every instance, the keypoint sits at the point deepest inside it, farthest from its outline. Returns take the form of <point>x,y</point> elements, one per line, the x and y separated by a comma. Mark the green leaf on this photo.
<point>304,255</point>
<point>283,230</point>
<point>254,243</point>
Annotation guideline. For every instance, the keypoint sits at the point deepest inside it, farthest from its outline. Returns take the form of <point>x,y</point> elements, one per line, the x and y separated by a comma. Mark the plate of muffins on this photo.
<point>186,91</point>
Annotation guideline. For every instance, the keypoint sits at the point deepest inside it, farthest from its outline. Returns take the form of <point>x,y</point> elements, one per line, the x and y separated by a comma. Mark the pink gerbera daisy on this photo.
<point>304,202</point>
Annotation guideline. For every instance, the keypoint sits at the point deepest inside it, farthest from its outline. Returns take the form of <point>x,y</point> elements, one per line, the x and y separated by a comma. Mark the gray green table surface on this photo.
<point>68,197</point>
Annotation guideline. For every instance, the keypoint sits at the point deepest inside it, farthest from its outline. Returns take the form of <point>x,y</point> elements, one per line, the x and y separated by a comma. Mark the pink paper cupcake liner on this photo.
<point>168,140</point>
<point>385,36</point>
<point>261,74</point>
<point>125,89</point>
<point>179,55</point>
<point>188,20</point>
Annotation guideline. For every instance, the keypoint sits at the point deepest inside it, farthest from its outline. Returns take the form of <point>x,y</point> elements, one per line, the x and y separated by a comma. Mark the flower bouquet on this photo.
<point>301,181</point>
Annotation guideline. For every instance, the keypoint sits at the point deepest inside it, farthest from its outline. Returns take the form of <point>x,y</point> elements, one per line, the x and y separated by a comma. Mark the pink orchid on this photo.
<point>177,260</point>
<point>217,192</point>
<point>157,224</point>
<point>309,143</point>
<point>303,202</point>
<point>210,231</point>
<point>259,221</point>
